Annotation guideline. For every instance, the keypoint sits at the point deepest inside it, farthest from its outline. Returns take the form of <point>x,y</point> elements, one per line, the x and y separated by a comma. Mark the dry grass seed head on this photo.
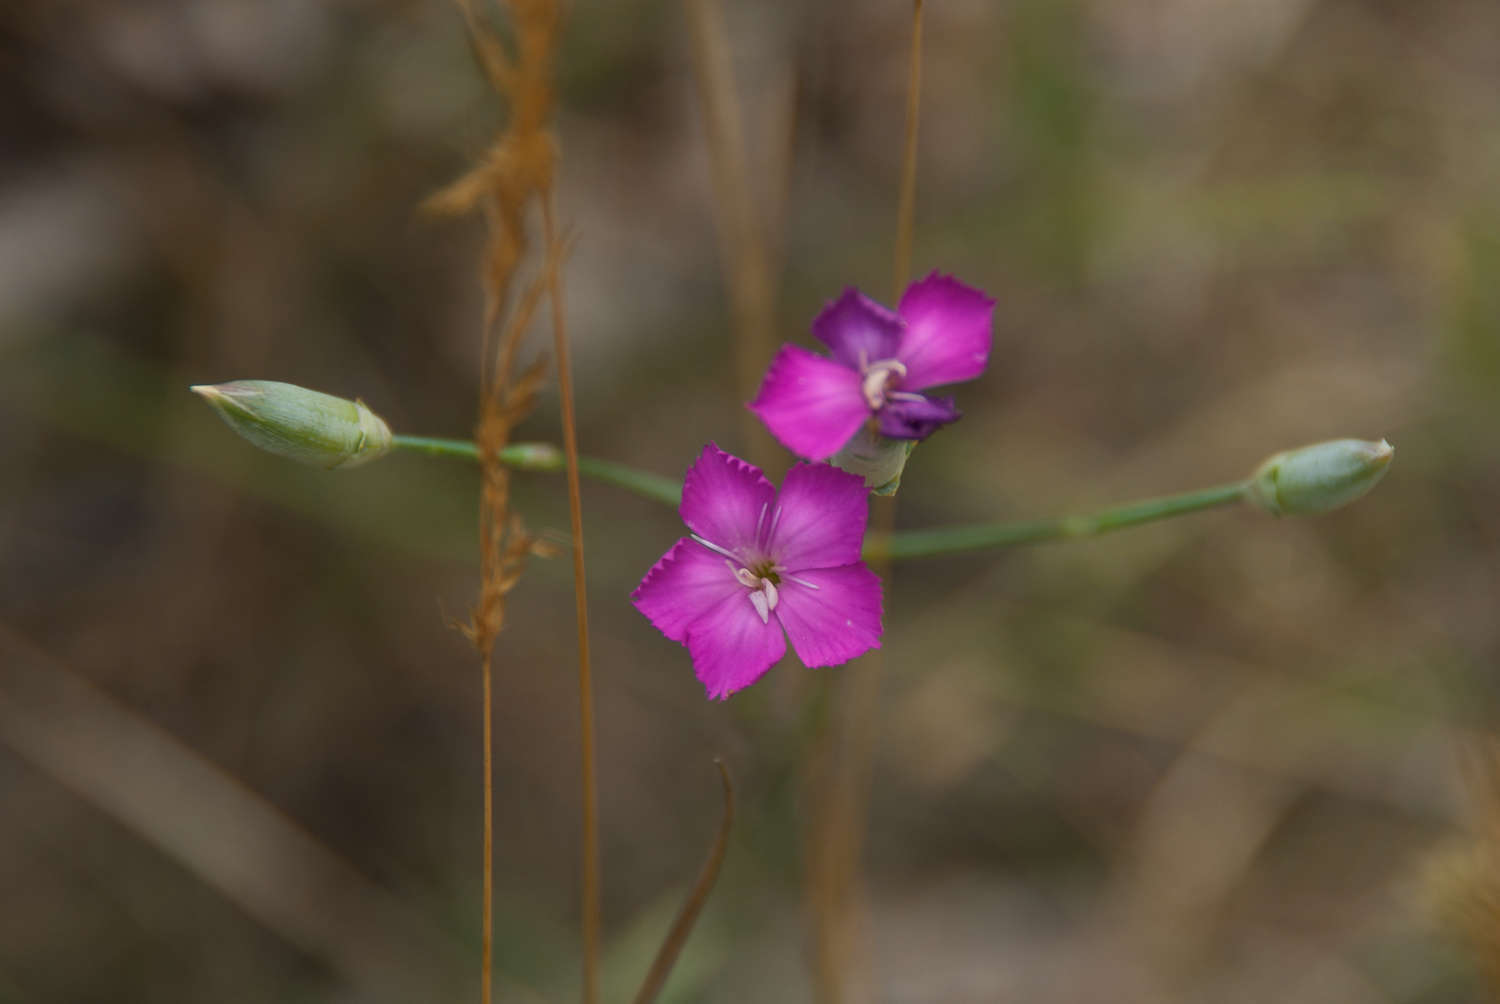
<point>512,176</point>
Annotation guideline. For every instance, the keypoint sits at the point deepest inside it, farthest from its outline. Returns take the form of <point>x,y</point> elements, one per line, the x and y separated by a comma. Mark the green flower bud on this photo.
<point>1318,478</point>
<point>300,424</point>
<point>880,461</point>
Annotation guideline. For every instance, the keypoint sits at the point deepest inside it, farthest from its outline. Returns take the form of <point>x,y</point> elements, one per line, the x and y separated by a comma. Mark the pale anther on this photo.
<point>876,376</point>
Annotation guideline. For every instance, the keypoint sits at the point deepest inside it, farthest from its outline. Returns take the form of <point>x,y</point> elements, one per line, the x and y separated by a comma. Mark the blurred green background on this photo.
<point>1205,760</point>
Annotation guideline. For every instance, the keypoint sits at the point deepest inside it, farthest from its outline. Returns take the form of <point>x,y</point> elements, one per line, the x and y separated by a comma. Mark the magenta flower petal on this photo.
<point>811,404</point>
<point>837,620</point>
<point>688,582</point>
<point>732,647</point>
<point>723,497</point>
<point>821,522</point>
<point>915,416</point>
<point>948,332</point>
<point>858,330</point>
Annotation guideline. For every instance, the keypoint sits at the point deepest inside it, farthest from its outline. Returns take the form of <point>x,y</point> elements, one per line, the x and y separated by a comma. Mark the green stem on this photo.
<point>902,544</point>
<point>953,539</point>
<point>546,457</point>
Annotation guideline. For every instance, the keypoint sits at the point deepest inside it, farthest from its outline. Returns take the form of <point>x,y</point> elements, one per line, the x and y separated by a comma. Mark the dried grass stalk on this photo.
<point>509,182</point>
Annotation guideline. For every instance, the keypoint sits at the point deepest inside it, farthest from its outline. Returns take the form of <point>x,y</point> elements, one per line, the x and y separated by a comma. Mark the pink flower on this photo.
<point>759,568</point>
<point>939,334</point>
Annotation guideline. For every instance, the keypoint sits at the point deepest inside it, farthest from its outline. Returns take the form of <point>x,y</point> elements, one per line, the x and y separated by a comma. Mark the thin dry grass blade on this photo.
<point>233,840</point>
<point>743,241</point>
<point>590,863</point>
<point>666,956</point>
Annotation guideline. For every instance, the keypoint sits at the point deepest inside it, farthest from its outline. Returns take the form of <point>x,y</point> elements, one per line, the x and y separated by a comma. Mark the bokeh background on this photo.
<point>1216,759</point>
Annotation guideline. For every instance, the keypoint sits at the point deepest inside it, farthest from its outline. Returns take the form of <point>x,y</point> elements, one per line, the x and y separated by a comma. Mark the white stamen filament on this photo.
<point>716,548</point>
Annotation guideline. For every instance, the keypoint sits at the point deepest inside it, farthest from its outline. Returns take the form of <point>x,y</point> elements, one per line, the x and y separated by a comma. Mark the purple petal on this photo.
<point>822,518</point>
<point>858,330</point>
<point>915,416</point>
<point>947,332</point>
<point>835,622</point>
<point>732,647</point>
<point>688,582</point>
<point>811,404</point>
<point>723,497</point>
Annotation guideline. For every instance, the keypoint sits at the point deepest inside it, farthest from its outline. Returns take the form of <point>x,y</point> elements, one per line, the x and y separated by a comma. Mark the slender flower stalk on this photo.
<point>1307,480</point>
<point>983,536</point>
<point>898,545</point>
<point>549,459</point>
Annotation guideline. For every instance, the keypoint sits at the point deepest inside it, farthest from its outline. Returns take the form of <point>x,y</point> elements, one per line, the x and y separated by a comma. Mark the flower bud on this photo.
<point>303,425</point>
<point>880,461</point>
<point>1318,478</point>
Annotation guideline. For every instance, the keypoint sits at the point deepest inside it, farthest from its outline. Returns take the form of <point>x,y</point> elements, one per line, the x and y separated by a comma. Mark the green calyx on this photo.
<point>880,461</point>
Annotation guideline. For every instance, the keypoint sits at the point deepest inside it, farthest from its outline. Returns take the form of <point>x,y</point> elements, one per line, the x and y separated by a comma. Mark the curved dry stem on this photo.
<point>666,956</point>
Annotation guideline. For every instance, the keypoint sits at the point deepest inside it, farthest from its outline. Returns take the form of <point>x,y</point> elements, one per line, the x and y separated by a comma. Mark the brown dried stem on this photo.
<point>838,835</point>
<point>590,863</point>
<point>514,174</point>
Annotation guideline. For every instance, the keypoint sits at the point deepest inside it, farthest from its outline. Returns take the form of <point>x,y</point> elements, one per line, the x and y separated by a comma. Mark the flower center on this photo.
<point>756,571</point>
<point>880,379</point>
<point>763,594</point>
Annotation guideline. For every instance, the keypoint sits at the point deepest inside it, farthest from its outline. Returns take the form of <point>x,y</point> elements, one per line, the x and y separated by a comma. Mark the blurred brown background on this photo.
<point>1206,760</point>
